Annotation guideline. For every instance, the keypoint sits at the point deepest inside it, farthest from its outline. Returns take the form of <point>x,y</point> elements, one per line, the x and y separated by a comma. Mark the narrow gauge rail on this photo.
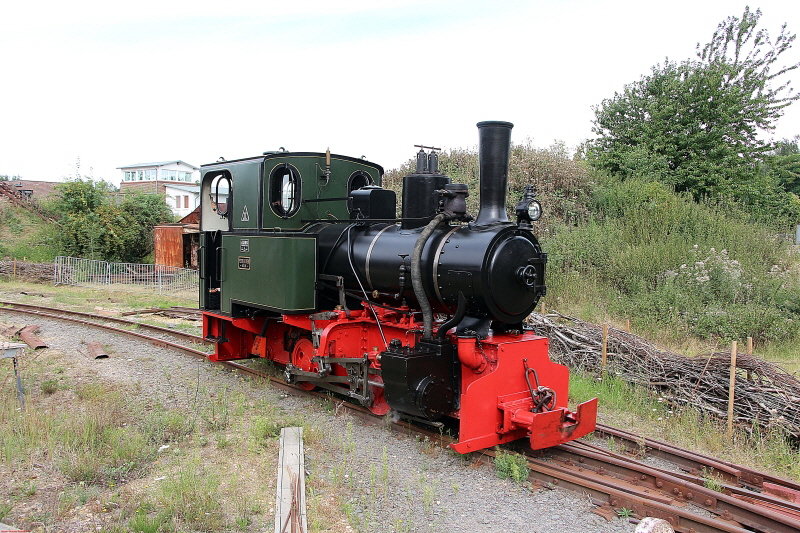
<point>90,319</point>
<point>694,463</point>
<point>613,480</point>
<point>642,488</point>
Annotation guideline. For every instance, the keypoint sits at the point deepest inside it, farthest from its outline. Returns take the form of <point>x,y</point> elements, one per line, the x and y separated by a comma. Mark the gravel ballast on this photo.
<point>383,481</point>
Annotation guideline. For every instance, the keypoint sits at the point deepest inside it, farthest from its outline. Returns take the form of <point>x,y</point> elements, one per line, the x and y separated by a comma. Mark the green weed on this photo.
<point>624,513</point>
<point>265,428</point>
<point>49,386</point>
<point>710,481</point>
<point>143,522</point>
<point>510,466</point>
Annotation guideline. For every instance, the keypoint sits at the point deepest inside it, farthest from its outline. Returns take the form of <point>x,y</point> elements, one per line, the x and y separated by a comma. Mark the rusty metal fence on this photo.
<point>158,279</point>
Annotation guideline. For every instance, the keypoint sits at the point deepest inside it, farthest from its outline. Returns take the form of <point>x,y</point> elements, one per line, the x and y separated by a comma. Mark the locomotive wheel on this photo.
<point>301,358</point>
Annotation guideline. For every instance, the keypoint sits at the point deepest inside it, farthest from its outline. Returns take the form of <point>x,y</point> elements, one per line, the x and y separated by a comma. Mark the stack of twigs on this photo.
<point>26,271</point>
<point>765,395</point>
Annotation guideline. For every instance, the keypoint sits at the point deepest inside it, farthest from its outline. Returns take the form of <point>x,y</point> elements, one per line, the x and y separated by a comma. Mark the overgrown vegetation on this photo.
<point>677,265</point>
<point>25,235</point>
<point>94,225</point>
<point>131,463</point>
<point>94,222</point>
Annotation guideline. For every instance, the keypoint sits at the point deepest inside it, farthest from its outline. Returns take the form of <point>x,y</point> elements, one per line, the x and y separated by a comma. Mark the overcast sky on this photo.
<point>117,83</point>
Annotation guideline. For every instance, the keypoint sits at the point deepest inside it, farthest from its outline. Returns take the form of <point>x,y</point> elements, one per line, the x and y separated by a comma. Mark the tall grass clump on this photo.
<point>191,496</point>
<point>104,438</point>
<point>699,269</point>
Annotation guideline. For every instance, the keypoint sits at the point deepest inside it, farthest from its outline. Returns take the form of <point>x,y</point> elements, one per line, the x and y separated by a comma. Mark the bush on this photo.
<point>672,263</point>
<point>562,183</point>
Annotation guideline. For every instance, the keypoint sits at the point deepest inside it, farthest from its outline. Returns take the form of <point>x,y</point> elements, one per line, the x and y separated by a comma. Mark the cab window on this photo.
<point>284,184</point>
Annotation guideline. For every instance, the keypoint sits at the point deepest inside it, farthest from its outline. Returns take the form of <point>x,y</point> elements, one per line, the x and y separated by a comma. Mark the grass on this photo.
<point>511,466</point>
<point>191,496</point>
<point>25,236</point>
<point>679,268</point>
<point>84,299</point>
<point>136,464</point>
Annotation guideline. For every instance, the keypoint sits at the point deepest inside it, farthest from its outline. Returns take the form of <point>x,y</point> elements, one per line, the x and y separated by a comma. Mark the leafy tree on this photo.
<point>94,226</point>
<point>751,71</point>
<point>81,196</point>
<point>784,164</point>
<point>695,124</point>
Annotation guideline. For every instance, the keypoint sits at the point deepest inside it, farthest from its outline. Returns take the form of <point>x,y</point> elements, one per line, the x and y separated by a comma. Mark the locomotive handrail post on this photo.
<point>201,264</point>
<point>219,264</point>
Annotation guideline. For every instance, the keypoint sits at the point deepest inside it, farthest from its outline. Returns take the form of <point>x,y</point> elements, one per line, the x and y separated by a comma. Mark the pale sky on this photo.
<point>117,83</point>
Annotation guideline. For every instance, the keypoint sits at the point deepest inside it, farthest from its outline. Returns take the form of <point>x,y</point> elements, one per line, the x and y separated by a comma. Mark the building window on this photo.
<point>185,202</point>
<point>151,174</point>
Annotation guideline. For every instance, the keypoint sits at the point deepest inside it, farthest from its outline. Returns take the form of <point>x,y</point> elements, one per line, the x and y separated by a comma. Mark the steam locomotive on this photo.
<point>304,262</point>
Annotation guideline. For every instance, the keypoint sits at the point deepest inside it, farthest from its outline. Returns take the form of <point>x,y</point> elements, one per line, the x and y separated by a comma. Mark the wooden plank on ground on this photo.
<point>290,500</point>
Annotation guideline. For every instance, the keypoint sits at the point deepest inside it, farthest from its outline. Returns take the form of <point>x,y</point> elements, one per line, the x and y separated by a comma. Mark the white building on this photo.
<point>183,199</point>
<point>172,171</point>
<point>174,179</point>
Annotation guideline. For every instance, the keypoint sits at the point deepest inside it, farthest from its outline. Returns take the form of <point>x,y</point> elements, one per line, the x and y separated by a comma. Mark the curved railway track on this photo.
<point>745,500</point>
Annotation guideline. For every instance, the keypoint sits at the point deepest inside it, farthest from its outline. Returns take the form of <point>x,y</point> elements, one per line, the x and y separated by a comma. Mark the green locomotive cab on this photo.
<point>257,252</point>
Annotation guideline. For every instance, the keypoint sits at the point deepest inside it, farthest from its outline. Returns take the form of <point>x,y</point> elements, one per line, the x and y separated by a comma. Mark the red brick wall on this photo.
<point>147,187</point>
<point>41,189</point>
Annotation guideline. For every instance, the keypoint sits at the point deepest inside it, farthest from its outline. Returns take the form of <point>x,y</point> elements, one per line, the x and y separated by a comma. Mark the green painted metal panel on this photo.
<point>246,178</point>
<point>275,272</point>
<point>315,185</point>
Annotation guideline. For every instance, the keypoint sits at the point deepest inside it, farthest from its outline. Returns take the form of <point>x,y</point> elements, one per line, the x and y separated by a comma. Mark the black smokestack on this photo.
<point>494,150</point>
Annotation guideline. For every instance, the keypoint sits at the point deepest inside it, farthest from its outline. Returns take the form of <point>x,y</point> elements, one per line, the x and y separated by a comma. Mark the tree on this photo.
<point>784,164</point>
<point>95,227</point>
<point>752,71</point>
<point>695,124</point>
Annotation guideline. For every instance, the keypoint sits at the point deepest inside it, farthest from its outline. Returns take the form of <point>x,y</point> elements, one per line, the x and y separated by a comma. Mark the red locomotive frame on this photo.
<point>497,397</point>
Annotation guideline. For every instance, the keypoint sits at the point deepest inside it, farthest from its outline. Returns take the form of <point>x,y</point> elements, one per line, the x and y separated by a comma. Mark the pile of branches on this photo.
<point>27,271</point>
<point>765,395</point>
